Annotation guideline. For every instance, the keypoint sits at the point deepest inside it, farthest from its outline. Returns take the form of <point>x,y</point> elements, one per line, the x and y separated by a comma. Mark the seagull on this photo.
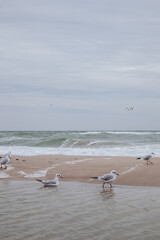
<point>4,161</point>
<point>6,154</point>
<point>129,108</point>
<point>52,183</point>
<point>107,178</point>
<point>147,158</point>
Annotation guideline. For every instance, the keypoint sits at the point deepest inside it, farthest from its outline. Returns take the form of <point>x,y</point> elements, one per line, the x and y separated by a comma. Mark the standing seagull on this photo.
<point>147,158</point>
<point>107,178</point>
<point>52,183</point>
<point>4,161</point>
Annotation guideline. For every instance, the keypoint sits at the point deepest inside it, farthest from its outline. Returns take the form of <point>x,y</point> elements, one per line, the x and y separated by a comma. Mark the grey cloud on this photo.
<point>94,56</point>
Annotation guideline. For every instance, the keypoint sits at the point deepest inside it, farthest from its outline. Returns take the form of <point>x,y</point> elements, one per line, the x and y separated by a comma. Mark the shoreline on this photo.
<point>132,172</point>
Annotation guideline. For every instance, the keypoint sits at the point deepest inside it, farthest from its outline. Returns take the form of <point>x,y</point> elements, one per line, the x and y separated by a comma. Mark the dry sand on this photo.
<point>80,168</point>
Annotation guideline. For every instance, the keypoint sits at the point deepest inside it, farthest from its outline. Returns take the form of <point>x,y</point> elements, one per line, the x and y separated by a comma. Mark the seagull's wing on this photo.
<point>147,157</point>
<point>4,160</point>
<point>50,182</point>
<point>107,177</point>
<point>7,155</point>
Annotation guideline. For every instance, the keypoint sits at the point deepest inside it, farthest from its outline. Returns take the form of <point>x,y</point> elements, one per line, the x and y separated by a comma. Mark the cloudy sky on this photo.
<point>77,64</point>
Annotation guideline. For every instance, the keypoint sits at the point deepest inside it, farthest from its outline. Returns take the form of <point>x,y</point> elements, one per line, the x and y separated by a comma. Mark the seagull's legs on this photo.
<point>103,184</point>
<point>110,185</point>
<point>149,162</point>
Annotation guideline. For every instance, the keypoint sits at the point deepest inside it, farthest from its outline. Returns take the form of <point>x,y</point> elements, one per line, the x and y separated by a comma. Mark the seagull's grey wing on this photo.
<point>4,160</point>
<point>50,182</point>
<point>147,157</point>
<point>107,177</point>
<point>5,155</point>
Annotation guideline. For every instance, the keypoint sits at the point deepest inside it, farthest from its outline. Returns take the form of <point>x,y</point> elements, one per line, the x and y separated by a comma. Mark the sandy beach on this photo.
<point>80,168</point>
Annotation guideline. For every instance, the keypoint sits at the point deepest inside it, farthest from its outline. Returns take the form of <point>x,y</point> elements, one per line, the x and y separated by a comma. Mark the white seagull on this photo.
<point>147,158</point>
<point>4,161</point>
<point>7,154</point>
<point>107,178</point>
<point>52,183</point>
<point>129,108</point>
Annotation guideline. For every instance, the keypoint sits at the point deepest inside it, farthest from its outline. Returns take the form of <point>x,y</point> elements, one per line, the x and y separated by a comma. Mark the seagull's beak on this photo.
<point>61,177</point>
<point>117,174</point>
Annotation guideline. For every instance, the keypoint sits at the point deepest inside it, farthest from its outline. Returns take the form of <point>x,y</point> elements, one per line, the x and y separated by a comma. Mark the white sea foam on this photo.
<point>4,175</point>
<point>130,169</point>
<point>40,173</point>
<point>22,173</point>
<point>80,160</point>
<point>36,174</point>
<point>77,161</point>
<point>133,133</point>
<point>101,151</point>
<point>88,133</point>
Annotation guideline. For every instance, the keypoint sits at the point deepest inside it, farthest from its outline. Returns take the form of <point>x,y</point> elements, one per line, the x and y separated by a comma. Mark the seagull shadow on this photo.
<point>3,168</point>
<point>107,193</point>
<point>49,189</point>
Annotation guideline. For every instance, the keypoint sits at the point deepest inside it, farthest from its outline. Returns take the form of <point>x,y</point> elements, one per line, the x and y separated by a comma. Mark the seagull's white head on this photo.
<point>58,175</point>
<point>153,153</point>
<point>114,172</point>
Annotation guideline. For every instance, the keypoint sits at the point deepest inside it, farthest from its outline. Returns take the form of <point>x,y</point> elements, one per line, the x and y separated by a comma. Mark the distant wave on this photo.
<point>88,133</point>
<point>134,133</point>
<point>96,143</point>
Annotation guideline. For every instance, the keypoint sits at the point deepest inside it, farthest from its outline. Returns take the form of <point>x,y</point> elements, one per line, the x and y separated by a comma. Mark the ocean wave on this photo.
<point>133,133</point>
<point>96,143</point>
<point>88,133</point>
<point>116,151</point>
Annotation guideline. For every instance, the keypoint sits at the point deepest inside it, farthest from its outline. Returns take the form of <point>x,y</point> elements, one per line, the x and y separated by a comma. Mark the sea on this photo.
<point>94,143</point>
<point>75,210</point>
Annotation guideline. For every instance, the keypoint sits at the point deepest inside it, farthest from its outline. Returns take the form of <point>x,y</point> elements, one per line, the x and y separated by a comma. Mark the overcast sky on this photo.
<point>77,64</point>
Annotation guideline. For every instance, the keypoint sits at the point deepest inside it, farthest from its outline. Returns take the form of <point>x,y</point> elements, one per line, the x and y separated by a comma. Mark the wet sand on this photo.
<point>80,168</point>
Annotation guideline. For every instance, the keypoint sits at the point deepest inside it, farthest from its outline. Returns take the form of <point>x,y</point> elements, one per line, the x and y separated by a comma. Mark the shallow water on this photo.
<point>78,211</point>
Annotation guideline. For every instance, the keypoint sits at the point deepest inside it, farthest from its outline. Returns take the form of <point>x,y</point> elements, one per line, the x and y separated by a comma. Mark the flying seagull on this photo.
<point>107,178</point>
<point>129,108</point>
<point>147,158</point>
<point>52,183</point>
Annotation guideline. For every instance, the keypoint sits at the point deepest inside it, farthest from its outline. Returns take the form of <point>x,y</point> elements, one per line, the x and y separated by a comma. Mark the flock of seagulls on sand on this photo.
<point>107,178</point>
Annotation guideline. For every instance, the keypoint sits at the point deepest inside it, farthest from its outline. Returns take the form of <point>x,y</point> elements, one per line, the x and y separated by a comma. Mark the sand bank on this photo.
<point>81,168</point>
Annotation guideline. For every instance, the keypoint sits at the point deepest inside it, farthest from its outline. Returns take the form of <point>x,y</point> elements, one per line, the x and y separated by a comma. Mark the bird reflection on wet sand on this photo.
<point>107,193</point>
